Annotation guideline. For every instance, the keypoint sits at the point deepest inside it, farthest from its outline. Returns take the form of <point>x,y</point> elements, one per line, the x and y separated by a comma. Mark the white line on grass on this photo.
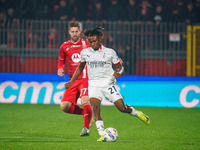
<point>86,139</point>
<point>48,138</point>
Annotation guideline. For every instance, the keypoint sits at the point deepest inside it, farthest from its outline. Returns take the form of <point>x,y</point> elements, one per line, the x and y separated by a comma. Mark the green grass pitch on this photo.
<point>46,127</point>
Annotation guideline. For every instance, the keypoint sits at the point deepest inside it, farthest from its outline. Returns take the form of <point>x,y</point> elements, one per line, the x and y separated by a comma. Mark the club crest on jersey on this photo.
<point>76,57</point>
<point>75,46</point>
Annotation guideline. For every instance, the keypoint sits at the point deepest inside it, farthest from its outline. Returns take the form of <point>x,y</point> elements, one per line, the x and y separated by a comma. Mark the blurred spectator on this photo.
<point>81,9</point>
<point>2,19</point>
<point>52,43</point>
<point>166,6</point>
<point>26,8</point>
<point>176,16</point>
<point>159,15</point>
<point>11,40</point>
<point>197,9</point>
<point>180,4</point>
<point>3,5</point>
<point>97,12</point>
<point>44,11</point>
<point>64,12</point>
<point>191,17</point>
<point>115,12</point>
<point>72,4</point>
<point>3,33</point>
<point>132,11</point>
<point>111,10</point>
<point>145,11</point>
<point>120,51</point>
<point>197,6</point>
<point>10,14</point>
<point>12,17</point>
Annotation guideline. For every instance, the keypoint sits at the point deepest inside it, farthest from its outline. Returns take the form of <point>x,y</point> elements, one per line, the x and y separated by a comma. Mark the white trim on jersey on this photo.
<point>83,42</point>
<point>61,58</point>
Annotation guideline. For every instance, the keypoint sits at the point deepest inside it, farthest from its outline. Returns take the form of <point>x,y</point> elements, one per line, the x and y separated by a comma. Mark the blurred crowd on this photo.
<point>17,30</point>
<point>102,10</point>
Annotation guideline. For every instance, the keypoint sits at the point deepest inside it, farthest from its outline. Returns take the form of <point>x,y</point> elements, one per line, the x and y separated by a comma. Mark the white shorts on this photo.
<point>110,93</point>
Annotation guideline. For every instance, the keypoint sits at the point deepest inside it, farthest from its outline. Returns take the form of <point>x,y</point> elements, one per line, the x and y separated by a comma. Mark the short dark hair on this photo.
<point>73,24</point>
<point>95,31</point>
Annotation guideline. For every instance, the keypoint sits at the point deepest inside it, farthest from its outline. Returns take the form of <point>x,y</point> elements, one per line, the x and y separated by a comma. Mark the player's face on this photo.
<point>74,33</point>
<point>95,42</point>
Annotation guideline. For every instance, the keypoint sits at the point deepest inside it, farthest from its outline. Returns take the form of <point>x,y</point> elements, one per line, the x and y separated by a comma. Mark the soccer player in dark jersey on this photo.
<point>70,52</point>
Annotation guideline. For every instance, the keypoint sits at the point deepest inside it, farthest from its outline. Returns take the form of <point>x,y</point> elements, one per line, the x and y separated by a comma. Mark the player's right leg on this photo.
<point>87,110</point>
<point>87,115</point>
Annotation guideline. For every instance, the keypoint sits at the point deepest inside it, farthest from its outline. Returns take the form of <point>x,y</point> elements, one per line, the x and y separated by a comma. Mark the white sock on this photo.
<point>100,126</point>
<point>134,112</point>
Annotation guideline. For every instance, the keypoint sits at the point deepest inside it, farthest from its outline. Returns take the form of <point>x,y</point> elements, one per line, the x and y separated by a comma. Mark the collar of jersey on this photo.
<point>75,42</point>
<point>101,47</point>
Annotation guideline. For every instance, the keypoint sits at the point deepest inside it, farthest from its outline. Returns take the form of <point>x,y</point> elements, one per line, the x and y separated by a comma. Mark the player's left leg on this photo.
<point>87,110</point>
<point>129,109</point>
<point>121,106</point>
<point>87,115</point>
<point>71,108</point>
<point>140,115</point>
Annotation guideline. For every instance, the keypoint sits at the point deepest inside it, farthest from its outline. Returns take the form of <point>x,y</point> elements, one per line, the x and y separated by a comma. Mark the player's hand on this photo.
<point>117,75</point>
<point>60,72</point>
<point>67,85</point>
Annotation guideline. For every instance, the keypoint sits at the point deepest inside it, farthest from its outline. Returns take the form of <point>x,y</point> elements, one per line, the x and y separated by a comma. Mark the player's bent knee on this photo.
<point>64,106</point>
<point>85,99</point>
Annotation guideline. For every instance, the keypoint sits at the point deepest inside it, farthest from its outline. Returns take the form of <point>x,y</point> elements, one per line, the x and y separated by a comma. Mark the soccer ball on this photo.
<point>110,134</point>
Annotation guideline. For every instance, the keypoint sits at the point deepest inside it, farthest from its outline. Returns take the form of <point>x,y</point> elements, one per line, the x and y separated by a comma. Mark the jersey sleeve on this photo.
<point>82,58</point>
<point>61,60</point>
<point>115,58</point>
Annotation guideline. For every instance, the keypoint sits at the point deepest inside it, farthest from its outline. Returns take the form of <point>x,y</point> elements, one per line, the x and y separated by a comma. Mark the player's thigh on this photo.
<point>83,87</point>
<point>112,93</point>
<point>95,92</point>
<point>83,90</point>
<point>72,94</point>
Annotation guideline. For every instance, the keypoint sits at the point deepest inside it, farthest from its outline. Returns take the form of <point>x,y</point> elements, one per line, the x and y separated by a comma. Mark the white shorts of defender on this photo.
<point>110,93</point>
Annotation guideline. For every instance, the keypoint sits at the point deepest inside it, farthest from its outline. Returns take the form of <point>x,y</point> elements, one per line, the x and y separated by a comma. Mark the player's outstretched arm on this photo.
<point>119,70</point>
<point>76,74</point>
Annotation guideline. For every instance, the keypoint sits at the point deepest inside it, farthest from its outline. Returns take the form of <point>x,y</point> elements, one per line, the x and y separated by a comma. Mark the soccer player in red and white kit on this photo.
<point>70,51</point>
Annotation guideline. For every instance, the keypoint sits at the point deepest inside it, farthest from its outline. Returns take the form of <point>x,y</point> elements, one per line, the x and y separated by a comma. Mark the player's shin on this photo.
<point>75,109</point>
<point>100,126</point>
<point>87,114</point>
